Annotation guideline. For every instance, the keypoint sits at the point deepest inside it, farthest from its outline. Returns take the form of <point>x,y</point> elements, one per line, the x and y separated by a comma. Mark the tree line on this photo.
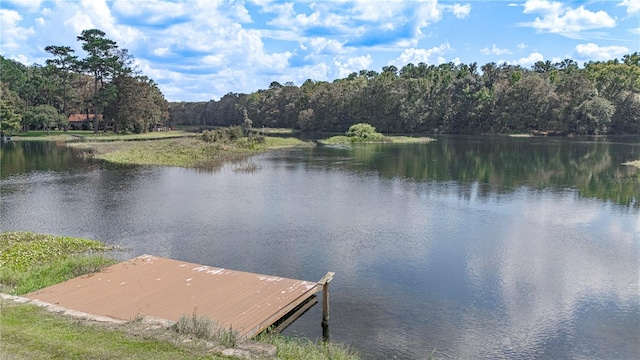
<point>104,84</point>
<point>601,97</point>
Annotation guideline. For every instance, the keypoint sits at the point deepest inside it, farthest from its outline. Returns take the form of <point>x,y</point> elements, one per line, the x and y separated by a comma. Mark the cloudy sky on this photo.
<point>198,50</point>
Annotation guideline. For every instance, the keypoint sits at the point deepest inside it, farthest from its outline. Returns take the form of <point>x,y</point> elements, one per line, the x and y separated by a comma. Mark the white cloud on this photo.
<point>13,35</point>
<point>319,71</point>
<point>547,8</point>
<point>161,51</point>
<point>461,11</point>
<point>633,6</point>
<point>495,50</point>
<point>79,21</point>
<point>530,60</point>
<point>428,11</point>
<point>346,67</point>
<point>322,45</point>
<point>592,51</point>
<point>150,11</point>
<point>370,11</point>
<point>560,19</point>
<point>68,19</point>
<point>427,56</point>
<point>287,18</point>
<point>198,48</point>
<point>28,5</point>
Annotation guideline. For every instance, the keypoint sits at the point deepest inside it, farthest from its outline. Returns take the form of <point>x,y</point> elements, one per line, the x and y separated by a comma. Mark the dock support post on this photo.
<point>325,304</point>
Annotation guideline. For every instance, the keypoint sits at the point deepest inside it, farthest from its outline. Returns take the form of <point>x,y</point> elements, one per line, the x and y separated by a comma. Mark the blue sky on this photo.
<point>198,50</point>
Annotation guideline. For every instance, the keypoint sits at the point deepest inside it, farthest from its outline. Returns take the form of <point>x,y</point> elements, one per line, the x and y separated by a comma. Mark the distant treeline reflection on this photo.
<point>593,168</point>
<point>499,163</point>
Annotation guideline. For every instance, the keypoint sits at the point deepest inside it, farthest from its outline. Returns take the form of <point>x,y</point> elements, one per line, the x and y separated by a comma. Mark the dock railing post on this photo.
<point>325,304</point>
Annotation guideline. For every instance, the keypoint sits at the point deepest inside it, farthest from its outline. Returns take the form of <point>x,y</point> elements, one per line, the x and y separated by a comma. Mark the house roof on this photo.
<point>82,117</point>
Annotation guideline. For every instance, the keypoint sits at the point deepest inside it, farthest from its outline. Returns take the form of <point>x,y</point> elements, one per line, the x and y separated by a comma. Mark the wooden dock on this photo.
<point>148,285</point>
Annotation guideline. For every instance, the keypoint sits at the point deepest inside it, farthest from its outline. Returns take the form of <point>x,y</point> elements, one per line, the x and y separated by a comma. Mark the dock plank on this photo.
<point>164,288</point>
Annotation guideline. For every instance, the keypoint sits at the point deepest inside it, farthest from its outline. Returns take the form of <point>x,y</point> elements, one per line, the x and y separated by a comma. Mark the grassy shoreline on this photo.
<point>30,261</point>
<point>83,135</point>
<point>181,152</point>
<point>345,140</point>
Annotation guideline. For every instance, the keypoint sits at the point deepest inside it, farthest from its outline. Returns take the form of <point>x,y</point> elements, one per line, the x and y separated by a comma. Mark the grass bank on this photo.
<point>342,140</point>
<point>292,348</point>
<point>30,261</point>
<point>30,332</point>
<point>83,135</point>
<point>182,152</point>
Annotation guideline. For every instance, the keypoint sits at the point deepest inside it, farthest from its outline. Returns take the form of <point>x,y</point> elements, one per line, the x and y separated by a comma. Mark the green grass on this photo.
<point>182,152</point>
<point>18,282</point>
<point>84,135</point>
<point>291,348</point>
<point>152,135</point>
<point>29,332</point>
<point>341,140</point>
<point>29,261</point>
<point>44,134</point>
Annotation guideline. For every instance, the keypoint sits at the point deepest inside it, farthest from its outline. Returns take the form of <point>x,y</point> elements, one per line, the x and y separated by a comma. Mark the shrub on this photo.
<point>362,130</point>
<point>203,328</point>
<point>232,133</point>
<point>259,139</point>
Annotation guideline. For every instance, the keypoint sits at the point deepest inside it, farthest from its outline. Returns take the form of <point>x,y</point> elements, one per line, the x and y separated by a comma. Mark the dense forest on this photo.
<point>103,83</point>
<point>550,98</point>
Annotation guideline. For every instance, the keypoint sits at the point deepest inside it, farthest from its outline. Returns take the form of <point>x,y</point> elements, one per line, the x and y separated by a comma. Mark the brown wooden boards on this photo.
<point>153,286</point>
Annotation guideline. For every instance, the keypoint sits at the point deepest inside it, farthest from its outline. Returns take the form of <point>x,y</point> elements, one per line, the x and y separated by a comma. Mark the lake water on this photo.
<point>467,247</point>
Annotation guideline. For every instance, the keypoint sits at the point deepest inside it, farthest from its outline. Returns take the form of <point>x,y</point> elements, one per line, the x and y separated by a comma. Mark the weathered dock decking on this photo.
<point>148,285</point>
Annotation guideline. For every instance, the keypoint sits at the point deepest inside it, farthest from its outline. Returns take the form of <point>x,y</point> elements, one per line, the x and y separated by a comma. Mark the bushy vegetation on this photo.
<point>29,261</point>
<point>231,133</point>
<point>292,348</point>
<point>597,98</point>
<point>357,133</point>
<point>204,328</point>
<point>363,132</point>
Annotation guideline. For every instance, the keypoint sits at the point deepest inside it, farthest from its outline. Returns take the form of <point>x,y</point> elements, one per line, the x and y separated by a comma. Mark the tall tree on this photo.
<point>138,105</point>
<point>102,62</point>
<point>45,117</point>
<point>65,62</point>
<point>10,109</point>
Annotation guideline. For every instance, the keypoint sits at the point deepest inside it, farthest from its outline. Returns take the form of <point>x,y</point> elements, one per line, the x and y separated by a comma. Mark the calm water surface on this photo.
<point>465,247</point>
